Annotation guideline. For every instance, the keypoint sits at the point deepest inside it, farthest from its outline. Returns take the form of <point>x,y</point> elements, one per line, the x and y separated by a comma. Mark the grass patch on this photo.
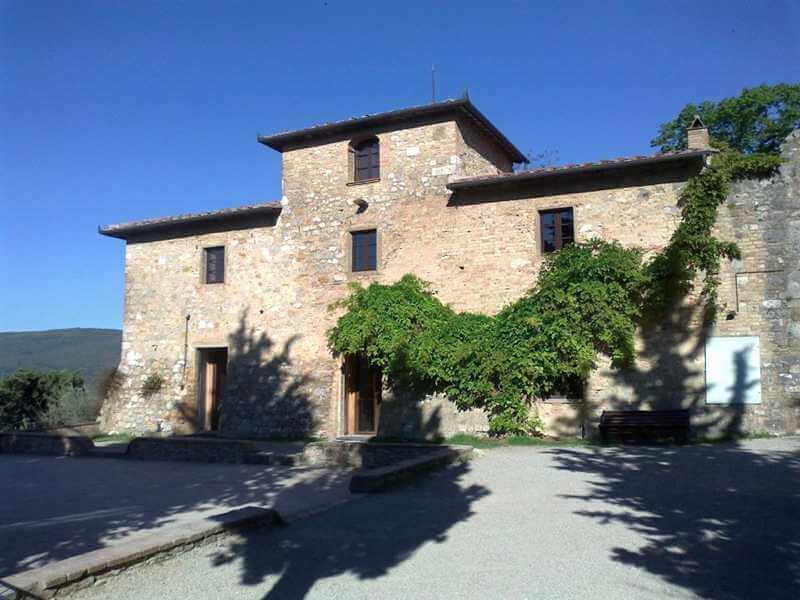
<point>463,439</point>
<point>113,437</point>
<point>513,440</point>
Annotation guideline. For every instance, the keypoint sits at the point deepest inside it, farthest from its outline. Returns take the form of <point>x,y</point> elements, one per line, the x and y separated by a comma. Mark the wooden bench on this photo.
<point>651,424</point>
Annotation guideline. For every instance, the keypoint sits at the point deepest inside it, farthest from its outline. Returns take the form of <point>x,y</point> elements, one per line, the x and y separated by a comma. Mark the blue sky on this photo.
<point>112,111</point>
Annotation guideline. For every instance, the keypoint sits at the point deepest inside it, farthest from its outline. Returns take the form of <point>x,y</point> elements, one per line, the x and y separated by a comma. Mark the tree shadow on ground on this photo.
<point>56,508</point>
<point>720,520</point>
<point>367,538</point>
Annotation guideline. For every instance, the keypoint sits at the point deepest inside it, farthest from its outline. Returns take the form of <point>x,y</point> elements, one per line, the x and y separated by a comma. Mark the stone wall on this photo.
<point>763,217</point>
<point>480,252</point>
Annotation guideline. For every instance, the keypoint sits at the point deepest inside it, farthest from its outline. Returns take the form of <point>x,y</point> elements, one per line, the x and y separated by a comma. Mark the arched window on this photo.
<point>366,159</point>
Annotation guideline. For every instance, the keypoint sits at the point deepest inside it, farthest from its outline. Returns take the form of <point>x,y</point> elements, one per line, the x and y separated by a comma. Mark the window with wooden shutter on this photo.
<point>215,264</point>
<point>366,160</point>
<point>365,250</point>
<point>557,229</point>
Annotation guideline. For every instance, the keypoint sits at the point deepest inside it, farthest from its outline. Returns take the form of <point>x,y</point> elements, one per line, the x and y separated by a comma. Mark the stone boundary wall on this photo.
<point>381,479</point>
<point>189,449</point>
<point>88,429</point>
<point>18,442</point>
<point>364,455</point>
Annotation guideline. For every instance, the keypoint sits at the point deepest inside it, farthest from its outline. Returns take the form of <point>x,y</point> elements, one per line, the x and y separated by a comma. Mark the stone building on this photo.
<point>226,312</point>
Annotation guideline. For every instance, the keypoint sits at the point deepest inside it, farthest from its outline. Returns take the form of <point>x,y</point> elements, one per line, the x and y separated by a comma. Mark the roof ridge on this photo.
<point>283,140</point>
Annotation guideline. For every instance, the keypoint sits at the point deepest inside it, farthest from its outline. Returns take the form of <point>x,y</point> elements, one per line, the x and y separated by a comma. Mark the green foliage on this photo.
<point>152,385</point>
<point>32,399</point>
<point>584,303</point>
<point>693,249</point>
<point>757,120</point>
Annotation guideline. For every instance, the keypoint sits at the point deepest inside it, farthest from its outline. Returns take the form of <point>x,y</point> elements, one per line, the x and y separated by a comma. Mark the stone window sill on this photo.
<point>364,274</point>
<point>562,401</point>
<point>364,182</point>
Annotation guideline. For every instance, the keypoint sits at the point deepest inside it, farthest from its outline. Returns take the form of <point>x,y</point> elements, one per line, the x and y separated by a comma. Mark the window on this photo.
<point>215,264</point>
<point>366,160</point>
<point>365,250</point>
<point>558,229</point>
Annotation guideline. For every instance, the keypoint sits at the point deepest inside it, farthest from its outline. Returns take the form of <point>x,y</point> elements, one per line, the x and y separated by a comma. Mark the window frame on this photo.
<point>558,241</point>
<point>354,236</point>
<point>207,251</point>
<point>373,158</point>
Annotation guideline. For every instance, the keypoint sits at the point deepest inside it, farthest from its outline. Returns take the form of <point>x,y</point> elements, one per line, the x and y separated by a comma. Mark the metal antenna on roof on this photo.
<point>433,83</point>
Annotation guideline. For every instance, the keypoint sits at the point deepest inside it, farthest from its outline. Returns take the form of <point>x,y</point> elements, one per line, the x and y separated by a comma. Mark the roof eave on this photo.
<point>126,231</point>
<point>501,180</point>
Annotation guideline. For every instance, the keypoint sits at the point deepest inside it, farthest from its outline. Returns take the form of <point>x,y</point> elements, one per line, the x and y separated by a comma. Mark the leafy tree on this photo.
<point>757,120</point>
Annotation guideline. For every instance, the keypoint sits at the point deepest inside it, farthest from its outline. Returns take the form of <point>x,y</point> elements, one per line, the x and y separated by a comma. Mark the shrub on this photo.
<point>110,383</point>
<point>32,399</point>
<point>152,385</point>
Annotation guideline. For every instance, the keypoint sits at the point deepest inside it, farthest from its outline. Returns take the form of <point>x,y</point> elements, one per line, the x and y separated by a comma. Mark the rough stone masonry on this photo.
<point>448,207</point>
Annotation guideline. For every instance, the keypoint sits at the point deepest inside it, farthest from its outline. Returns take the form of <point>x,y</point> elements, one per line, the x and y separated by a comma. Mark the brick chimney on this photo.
<point>698,135</point>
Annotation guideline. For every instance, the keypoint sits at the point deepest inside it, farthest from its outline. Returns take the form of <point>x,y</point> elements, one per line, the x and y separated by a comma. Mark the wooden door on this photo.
<point>362,396</point>
<point>214,363</point>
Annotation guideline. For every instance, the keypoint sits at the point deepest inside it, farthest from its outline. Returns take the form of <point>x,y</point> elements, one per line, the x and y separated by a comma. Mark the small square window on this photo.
<point>365,250</point>
<point>215,264</point>
<point>557,229</point>
<point>571,389</point>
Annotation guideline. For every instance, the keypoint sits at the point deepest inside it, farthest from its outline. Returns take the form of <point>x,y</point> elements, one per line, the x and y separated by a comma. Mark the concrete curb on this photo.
<point>81,571</point>
<point>383,478</point>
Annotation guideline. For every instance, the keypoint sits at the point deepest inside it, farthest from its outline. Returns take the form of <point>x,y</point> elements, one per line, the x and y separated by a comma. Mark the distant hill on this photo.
<point>89,351</point>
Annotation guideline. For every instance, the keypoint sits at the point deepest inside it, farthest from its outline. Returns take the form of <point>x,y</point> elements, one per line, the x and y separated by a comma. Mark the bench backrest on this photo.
<point>678,418</point>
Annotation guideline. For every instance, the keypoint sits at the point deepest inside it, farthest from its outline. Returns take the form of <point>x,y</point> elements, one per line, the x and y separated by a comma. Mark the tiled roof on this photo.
<point>587,167</point>
<point>280,141</point>
<point>132,228</point>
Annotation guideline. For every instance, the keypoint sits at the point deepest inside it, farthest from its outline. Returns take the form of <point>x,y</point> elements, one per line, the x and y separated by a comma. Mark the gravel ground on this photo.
<point>52,508</point>
<point>719,521</point>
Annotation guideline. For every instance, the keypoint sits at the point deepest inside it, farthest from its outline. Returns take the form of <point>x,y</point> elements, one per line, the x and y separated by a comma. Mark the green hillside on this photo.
<point>88,351</point>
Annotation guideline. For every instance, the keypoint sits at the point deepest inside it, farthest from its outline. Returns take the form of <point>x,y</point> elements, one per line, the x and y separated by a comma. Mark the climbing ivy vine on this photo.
<point>693,250</point>
<point>587,301</point>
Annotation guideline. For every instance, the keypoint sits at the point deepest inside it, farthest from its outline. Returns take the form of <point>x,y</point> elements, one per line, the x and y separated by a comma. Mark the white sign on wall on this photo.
<point>733,370</point>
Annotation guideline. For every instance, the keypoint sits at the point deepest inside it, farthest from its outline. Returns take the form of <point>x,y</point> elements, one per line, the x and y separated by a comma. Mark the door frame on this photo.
<point>207,401</point>
<point>351,398</point>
